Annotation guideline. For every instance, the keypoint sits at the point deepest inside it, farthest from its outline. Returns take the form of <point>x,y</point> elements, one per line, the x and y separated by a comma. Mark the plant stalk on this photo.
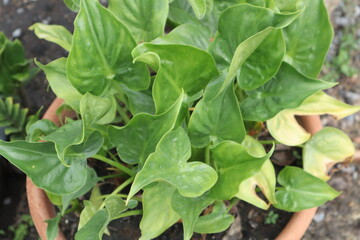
<point>114,164</point>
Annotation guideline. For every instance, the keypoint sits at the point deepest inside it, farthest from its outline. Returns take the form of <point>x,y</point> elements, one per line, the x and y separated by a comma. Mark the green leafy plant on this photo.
<point>271,218</point>
<point>178,108</point>
<point>14,67</point>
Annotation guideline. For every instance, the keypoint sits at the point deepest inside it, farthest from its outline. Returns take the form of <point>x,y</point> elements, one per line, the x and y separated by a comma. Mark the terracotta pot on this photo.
<point>41,209</point>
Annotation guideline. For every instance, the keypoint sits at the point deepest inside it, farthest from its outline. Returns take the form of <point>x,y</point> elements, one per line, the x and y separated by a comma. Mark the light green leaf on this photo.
<point>175,74</point>
<point>139,137</point>
<point>326,147</point>
<point>95,227</point>
<point>278,94</point>
<point>199,7</point>
<point>56,75</point>
<point>53,227</point>
<point>145,19</point>
<point>216,119</point>
<point>301,190</point>
<point>285,128</point>
<point>53,33</point>
<point>308,39</point>
<point>236,42</point>
<point>217,221</point>
<point>40,162</point>
<point>158,214</point>
<point>189,210</point>
<point>234,165</point>
<point>169,163</point>
<point>192,34</point>
<point>97,110</point>
<point>265,179</point>
<point>87,213</point>
<point>73,5</point>
<point>101,52</point>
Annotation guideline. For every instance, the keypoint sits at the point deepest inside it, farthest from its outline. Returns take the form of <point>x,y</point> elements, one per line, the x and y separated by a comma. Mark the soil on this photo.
<point>338,219</point>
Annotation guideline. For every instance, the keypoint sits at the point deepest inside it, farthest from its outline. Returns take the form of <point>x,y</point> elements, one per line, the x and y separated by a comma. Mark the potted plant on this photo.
<point>177,114</point>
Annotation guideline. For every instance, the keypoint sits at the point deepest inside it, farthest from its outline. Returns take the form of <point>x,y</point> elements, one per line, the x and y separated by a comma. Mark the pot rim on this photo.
<point>41,209</point>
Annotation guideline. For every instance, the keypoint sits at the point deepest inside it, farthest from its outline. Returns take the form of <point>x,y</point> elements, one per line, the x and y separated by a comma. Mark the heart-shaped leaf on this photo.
<point>73,142</point>
<point>301,190</point>
<point>216,119</point>
<point>285,128</point>
<point>157,205</point>
<point>234,165</point>
<point>73,5</point>
<point>302,52</point>
<point>96,225</point>
<point>145,19</point>
<point>189,210</point>
<point>328,146</point>
<point>97,110</point>
<point>265,179</point>
<point>268,100</point>
<point>217,221</point>
<point>101,52</point>
<point>139,137</point>
<point>175,74</point>
<point>53,33</point>
<point>237,41</point>
<point>169,163</point>
<point>56,75</point>
<point>40,162</point>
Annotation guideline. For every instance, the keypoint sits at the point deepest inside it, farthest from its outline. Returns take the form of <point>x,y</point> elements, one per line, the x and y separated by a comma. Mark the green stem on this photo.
<point>118,189</point>
<point>207,154</point>
<point>122,186</point>
<point>233,202</point>
<point>139,199</point>
<point>111,176</point>
<point>113,157</point>
<point>114,164</point>
<point>130,213</point>
<point>123,114</point>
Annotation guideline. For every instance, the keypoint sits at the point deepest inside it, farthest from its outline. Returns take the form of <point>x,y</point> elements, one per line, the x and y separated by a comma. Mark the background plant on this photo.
<point>214,76</point>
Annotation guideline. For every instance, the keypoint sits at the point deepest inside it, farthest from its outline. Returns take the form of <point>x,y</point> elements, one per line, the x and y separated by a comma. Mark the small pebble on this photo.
<point>20,11</point>
<point>66,221</point>
<point>46,20</point>
<point>6,2</point>
<point>16,33</point>
<point>319,217</point>
<point>355,175</point>
<point>7,201</point>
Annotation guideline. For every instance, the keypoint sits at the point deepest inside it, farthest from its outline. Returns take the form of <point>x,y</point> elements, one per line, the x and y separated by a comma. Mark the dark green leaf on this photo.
<point>169,163</point>
<point>308,39</point>
<point>217,221</point>
<point>175,74</point>
<point>216,119</point>
<point>279,93</point>
<point>40,162</point>
<point>189,210</point>
<point>301,190</point>
<point>139,137</point>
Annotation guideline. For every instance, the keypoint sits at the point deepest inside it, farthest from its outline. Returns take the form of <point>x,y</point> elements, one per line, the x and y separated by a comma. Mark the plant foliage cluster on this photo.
<point>14,72</point>
<point>194,94</point>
